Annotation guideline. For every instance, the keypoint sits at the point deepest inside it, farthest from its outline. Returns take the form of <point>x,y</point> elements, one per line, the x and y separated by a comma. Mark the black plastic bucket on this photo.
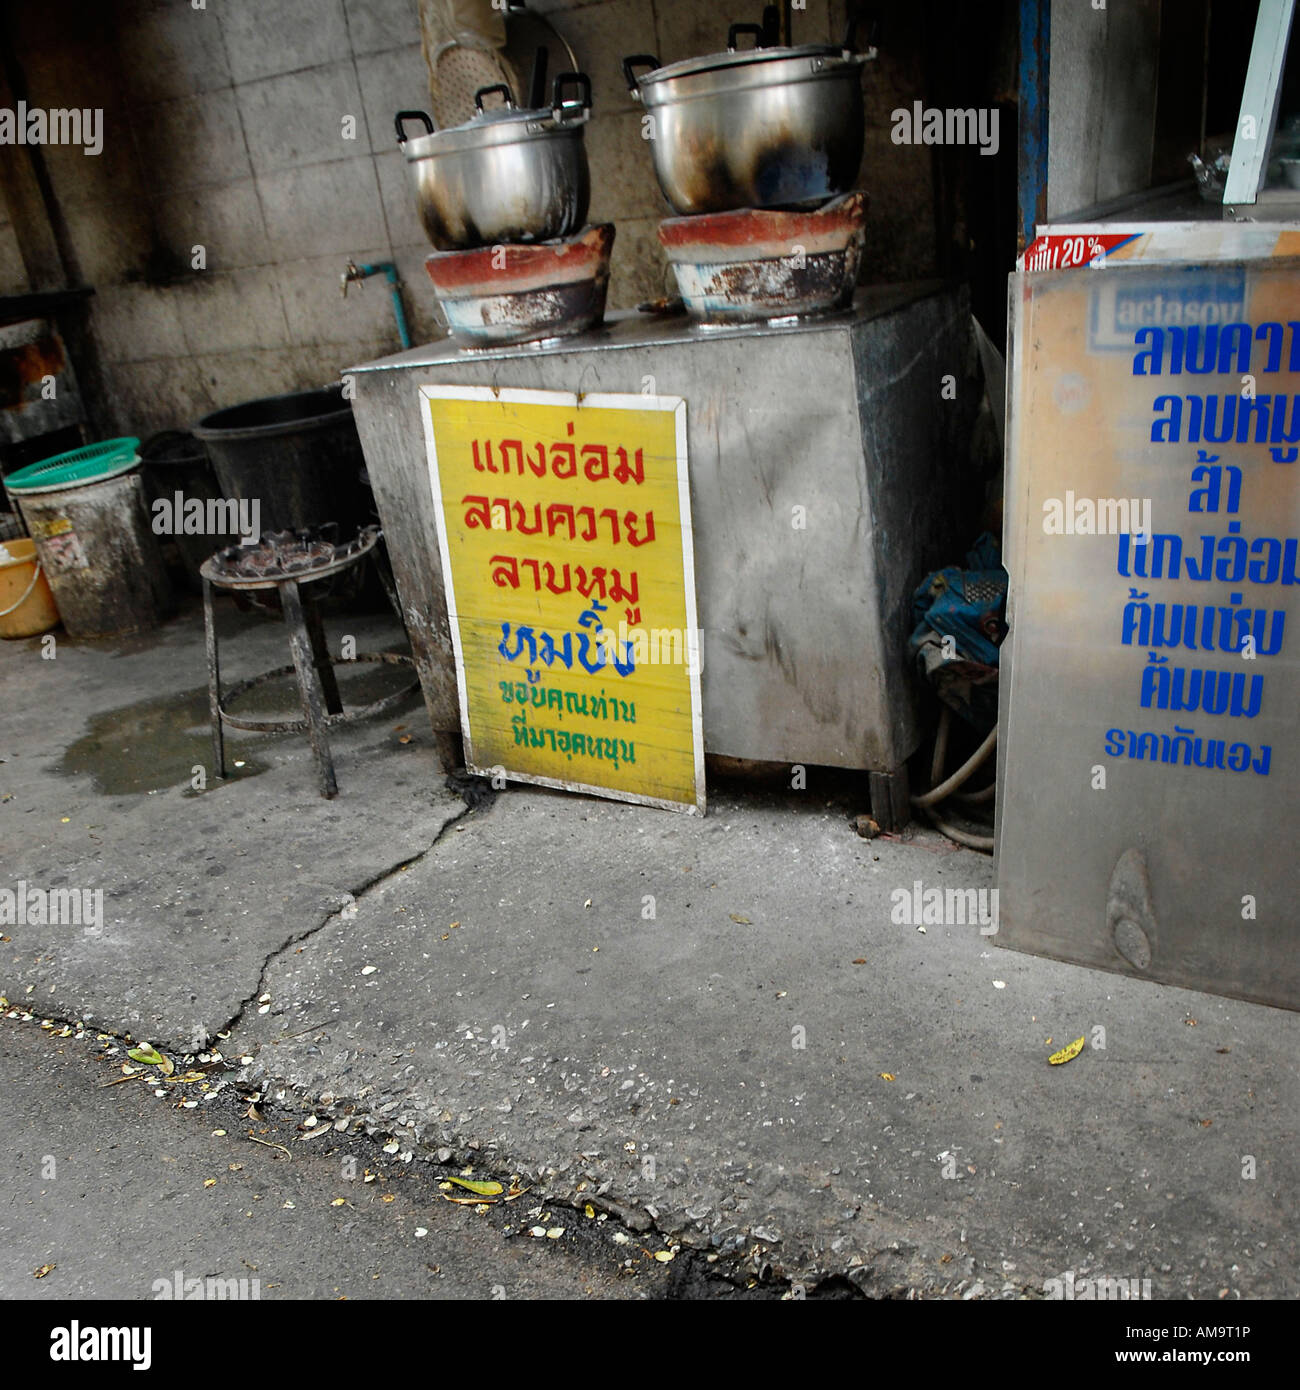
<point>298,455</point>
<point>176,462</point>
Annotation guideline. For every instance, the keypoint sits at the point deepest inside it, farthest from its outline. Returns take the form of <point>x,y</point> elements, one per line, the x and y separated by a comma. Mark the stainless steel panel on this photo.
<point>1153,865</point>
<point>805,614</point>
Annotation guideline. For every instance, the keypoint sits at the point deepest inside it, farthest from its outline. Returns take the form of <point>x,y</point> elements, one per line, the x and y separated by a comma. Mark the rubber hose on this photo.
<point>960,777</point>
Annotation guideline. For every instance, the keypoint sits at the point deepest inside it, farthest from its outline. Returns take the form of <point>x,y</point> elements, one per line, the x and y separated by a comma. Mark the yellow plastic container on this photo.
<point>26,603</point>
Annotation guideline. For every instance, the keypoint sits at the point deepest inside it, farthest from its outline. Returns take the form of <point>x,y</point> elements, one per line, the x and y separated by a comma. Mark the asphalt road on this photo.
<point>142,1188</point>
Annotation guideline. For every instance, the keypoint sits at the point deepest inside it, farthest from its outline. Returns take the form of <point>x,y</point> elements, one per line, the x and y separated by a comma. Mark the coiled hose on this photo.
<point>927,801</point>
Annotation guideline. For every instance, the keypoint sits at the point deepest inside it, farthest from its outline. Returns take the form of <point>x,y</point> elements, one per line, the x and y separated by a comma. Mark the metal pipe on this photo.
<point>388,270</point>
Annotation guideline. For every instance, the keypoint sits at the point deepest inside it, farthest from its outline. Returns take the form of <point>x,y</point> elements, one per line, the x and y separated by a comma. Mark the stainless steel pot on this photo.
<point>762,127</point>
<point>505,176</point>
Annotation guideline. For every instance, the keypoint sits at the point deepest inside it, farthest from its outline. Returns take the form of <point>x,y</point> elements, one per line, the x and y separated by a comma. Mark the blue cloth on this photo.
<point>969,607</point>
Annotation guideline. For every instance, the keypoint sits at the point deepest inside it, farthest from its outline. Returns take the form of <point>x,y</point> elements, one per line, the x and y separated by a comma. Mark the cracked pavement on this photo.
<point>711,1029</point>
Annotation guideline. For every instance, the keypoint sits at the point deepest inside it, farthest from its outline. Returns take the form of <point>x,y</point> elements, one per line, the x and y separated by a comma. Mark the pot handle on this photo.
<point>755,30</point>
<point>402,117</point>
<point>561,109</point>
<point>638,60</point>
<point>487,91</point>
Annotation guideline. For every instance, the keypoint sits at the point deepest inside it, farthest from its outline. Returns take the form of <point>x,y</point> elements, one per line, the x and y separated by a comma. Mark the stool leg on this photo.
<point>308,683</point>
<point>321,654</point>
<point>214,685</point>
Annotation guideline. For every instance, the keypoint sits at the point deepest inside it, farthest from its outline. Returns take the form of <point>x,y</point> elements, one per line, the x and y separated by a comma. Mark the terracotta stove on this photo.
<point>760,265</point>
<point>516,293</point>
<point>753,265</point>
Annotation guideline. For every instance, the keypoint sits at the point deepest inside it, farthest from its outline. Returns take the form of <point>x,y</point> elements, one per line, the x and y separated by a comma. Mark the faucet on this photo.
<point>388,270</point>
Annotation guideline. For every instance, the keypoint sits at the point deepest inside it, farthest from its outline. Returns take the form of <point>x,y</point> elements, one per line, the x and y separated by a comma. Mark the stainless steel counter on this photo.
<point>827,466</point>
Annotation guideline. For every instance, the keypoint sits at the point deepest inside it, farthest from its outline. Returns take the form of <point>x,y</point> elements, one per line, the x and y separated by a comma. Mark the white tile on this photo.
<point>226,311</point>
<point>391,82</point>
<point>190,141</point>
<point>170,49</point>
<point>134,323</point>
<point>298,118</point>
<point>264,37</point>
<point>225,219</point>
<point>374,25</point>
<point>322,209</point>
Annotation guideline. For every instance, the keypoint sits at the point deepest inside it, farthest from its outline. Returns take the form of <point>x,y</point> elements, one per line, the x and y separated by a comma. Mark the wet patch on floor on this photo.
<point>155,745</point>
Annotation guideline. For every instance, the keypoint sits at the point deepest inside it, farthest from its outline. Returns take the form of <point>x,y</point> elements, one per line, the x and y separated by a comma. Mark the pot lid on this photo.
<point>503,123</point>
<point>746,57</point>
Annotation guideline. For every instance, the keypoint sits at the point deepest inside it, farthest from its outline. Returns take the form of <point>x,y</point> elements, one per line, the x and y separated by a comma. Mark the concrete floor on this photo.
<point>768,1069</point>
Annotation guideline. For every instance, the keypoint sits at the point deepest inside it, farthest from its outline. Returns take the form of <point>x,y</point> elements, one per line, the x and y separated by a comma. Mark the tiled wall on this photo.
<point>224,128</point>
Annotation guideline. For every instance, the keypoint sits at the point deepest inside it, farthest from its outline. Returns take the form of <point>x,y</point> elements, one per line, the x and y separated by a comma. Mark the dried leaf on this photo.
<point>589,1211</point>
<point>339,1201</point>
<point>209,1182</point>
<point>43,1271</point>
<point>744,921</point>
<point>886,1075</point>
<point>484,1189</point>
<point>861,960</point>
<point>555,1233</point>
<point>388,1197</point>
<point>252,1139</point>
<point>1066,1054</point>
<point>663,1256</point>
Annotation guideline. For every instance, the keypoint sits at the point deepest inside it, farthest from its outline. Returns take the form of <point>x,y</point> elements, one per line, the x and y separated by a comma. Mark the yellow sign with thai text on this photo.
<point>565,532</point>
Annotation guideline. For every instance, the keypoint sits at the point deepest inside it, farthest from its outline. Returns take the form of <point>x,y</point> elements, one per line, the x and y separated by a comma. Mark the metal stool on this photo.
<point>318,688</point>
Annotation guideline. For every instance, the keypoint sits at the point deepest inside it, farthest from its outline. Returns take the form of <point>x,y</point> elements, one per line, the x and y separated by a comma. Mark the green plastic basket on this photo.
<point>92,463</point>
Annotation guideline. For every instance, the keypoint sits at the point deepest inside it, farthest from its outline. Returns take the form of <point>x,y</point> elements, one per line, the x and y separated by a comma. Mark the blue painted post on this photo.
<point>1035,33</point>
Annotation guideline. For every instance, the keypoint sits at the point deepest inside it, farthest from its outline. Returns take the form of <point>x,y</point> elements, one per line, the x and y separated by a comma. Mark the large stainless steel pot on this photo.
<point>762,127</point>
<point>505,176</point>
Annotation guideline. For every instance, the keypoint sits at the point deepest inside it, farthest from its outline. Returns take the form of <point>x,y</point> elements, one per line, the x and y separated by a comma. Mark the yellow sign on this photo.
<point>564,525</point>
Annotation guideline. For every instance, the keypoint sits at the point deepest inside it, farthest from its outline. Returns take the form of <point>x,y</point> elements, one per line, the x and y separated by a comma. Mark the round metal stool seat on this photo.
<point>303,561</point>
